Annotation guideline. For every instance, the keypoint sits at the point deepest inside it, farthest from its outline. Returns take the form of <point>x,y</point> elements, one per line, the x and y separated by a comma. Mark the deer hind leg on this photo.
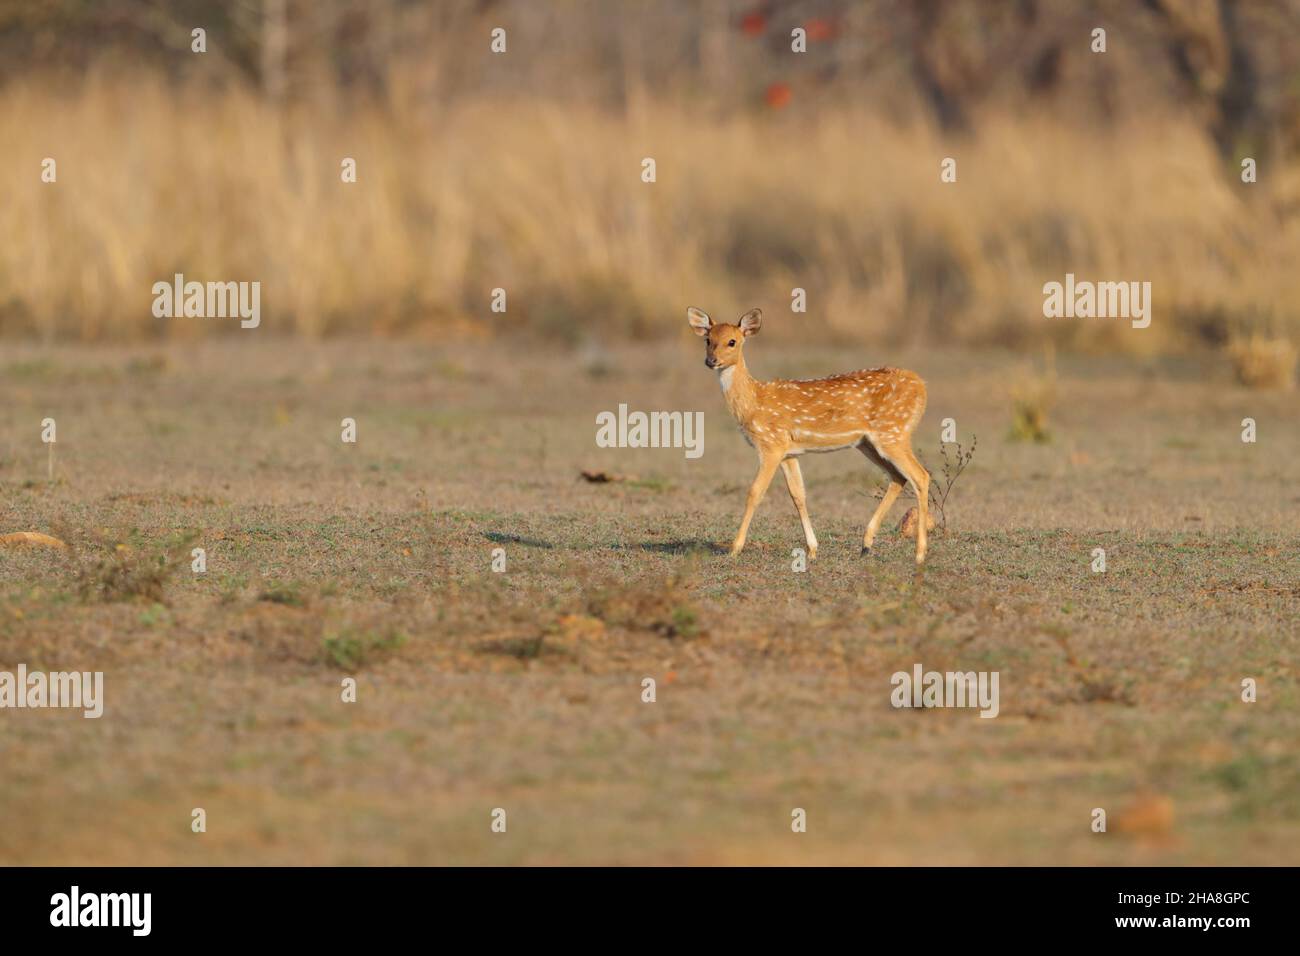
<point>902,455</point>
<point>794,481</point>
<point>896,482</point>
<point>766,470</point>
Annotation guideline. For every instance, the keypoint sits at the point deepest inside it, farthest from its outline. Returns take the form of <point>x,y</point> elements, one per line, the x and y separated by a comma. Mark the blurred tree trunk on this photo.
<point>928,70</point>
<point>714,51</point>
<point>275,47</point>
<point>1209,54</point>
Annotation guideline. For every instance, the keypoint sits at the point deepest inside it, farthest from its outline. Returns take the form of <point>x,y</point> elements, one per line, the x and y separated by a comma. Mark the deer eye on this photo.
<point>731,343</point>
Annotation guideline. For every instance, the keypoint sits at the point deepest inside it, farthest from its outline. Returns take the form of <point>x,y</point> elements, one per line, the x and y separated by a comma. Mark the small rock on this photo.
<point>907,527</point>
<point>1149,814</point>
<point>604,477</point>
<point>32,538</point>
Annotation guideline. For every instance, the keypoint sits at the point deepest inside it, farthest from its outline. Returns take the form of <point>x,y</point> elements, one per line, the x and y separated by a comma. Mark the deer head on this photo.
<point>723,342</point>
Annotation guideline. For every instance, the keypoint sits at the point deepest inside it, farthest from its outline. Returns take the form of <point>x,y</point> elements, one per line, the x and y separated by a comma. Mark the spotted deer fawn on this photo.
<point>874,410</point>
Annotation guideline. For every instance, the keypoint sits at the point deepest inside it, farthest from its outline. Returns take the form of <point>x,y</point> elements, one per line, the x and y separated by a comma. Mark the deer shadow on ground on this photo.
<point>497,537</point>
<point>679,546</point>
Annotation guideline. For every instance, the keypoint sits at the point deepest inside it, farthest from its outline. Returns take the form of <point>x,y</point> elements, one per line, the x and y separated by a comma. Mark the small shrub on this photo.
<point>952,469</point>
<point>350,647</point>
<point>1031,403</point>
<point>1262,362</point>
<point>288,593</point>
<point>522,648</point>
<point>117,570</point>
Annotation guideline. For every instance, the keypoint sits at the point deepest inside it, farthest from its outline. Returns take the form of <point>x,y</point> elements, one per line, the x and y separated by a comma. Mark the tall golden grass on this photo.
<point>546,201</point>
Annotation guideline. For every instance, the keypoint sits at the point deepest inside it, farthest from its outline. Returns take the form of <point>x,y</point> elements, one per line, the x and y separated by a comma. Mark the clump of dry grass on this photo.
<point>1032,399</point>
<point>661,607</point>
<point>288,593</point>
<point>1030,404</point>
<point>350,646</point>
<point>129,568</point>
<point>1263,362</point>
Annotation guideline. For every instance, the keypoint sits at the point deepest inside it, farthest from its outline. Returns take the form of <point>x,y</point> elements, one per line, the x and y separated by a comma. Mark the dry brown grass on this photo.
<point>1032,397</point>
<point>546,201</point>
<point>523,689</point>
<point>1263,362</point>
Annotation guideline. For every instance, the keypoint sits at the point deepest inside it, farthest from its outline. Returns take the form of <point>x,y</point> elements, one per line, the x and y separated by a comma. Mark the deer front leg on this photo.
<point>920,479</point>
<point>766,470</point>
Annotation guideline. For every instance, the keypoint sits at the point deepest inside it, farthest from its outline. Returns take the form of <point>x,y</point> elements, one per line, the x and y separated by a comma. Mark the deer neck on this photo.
<point>740,390</point>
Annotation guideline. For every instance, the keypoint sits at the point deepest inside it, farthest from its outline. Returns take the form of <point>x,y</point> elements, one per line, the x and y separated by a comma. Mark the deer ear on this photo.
<point>751,321</point>
<point>700,322</point>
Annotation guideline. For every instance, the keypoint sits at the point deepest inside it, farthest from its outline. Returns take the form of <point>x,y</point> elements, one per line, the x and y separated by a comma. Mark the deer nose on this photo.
<point>709,361</point>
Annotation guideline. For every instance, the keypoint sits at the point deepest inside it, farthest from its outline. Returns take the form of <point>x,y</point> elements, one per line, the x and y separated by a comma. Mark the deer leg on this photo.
<point>766,470</point>
<point>896,482</point>
<point>907,462</point>
<point>794,481</point>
